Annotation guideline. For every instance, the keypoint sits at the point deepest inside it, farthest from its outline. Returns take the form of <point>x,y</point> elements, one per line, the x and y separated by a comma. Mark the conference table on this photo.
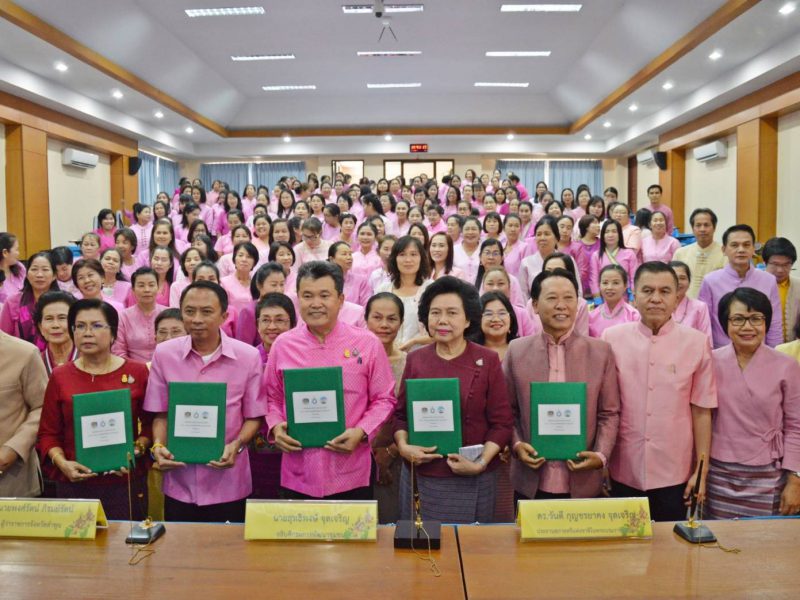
<point>202,561</point>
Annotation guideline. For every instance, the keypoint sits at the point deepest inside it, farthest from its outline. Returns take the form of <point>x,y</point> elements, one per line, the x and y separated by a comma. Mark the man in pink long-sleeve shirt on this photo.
<point>340,470</point>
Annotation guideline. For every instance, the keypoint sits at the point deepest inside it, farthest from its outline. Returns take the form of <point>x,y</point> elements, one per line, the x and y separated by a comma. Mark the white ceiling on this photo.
<point>593,52</point>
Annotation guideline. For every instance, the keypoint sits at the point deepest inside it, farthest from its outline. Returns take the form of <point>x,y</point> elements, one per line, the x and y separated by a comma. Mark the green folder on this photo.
<point>433,407</point>
<point>314,404</point>
<point>196,421</point>
<point>563,432</point>
<point>103,429</point>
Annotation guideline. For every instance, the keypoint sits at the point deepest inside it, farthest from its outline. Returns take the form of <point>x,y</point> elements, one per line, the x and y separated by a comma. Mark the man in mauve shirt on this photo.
<point>667,391</point>
<point>340,470</point>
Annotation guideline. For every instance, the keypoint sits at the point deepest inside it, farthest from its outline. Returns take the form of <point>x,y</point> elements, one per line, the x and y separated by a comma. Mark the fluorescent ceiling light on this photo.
<point>252,57</point>
<point>607,124</point>
<point>380,86</point>
<point>367,9</point>
<point>189,129</point>
<point>787,8</point>
<point>633,107</point>
<point>510,137</point>
<point>390,53</point>
<point>158,114</point>
<point>287,139</point>
<point>715,55</point>
<point>587,137</point>
<point>511,84</point>
<point>60,66</point>
<point>225,12</point>
<point>540,7</point>
<point>287,88</point>
<point>117,94</point>
<point>668,85</point>
<point>516,54</point>
<point>387,137</point>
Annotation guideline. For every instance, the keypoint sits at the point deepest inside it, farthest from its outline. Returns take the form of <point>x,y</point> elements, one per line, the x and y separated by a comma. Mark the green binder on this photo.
<point>103,429</point>
<point>557,432</point>
<point>314,404</point>
<point>433,407</point>
<point>196,421</point>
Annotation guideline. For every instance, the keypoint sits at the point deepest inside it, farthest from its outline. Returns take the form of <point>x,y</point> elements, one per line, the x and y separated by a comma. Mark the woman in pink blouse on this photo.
<point>659,246</point>
<point>115,285</point>
<point>142,227</point>
<point>126,244</point>
<point>689,311</point>
<point>356,286</point>
<point>515,249</point>
<point>612,252</point>
<point>11,265</point>
<point>136,335</point>
<point>755,442</point>
<point>245,257</point>
<point>106,228</point>
<point>366,259</point>
<point>615,308</point>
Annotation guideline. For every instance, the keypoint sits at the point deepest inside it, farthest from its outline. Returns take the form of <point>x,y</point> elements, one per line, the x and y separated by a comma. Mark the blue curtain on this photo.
<point>529,172</point>
<point>168,176</point>
<point>268,174</point>
<point>234,174</point>
<point>148,179</point>
<point>572,173</point>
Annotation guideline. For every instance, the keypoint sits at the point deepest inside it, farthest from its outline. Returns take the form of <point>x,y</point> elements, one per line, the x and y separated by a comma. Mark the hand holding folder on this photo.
<point>558,420</point>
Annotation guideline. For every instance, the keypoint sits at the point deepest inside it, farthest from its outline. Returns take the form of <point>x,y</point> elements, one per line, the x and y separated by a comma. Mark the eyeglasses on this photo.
<point>310,238</point>
<point>780,265</point>
<point>278,322</point>
<point>491,254</point>
<point>94,327</point>
<point>500,314</point>
<point>754,320</point>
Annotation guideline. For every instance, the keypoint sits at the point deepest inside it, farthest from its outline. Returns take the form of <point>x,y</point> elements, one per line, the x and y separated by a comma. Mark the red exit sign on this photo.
<point>418,148</point>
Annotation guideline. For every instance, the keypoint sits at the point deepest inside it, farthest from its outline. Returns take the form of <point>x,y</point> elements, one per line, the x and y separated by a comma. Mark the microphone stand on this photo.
<point>693,531</point>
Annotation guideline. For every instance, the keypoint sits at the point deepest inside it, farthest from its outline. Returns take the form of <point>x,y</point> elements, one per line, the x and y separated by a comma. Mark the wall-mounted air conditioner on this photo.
<point>79,158</point>
<point>711,151</point>
<point>647,157</point>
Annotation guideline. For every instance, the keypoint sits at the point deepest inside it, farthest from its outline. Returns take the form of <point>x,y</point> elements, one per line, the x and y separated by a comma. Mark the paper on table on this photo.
<point>559,419</point>
<point>107,429</point>
<point>315,406</point>
<point>196,421</point>
<point>433,415</point>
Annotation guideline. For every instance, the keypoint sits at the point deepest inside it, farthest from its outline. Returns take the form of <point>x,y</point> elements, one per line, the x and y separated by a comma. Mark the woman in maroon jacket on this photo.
<point>452,488</point>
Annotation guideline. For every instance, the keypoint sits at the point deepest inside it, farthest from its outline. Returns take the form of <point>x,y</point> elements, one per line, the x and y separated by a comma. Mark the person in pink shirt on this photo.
<point>615,309</point>
<point>667,390</point>
<point>126,244</point>
<point>17,314</point>
<point>115,285</point>
<point>612,251</point>
<point>163,236</point>
<point>313,247</point>
<point>755,444</point>
<point>340,470</point>
<point>545,239</point>
<point>381,276</point>
<point>136,333</point>
<point>492,256</point>
<point>331,227</point>
<point>207,271</point>
<point>451,201</point>
<point>189,261</point>
<point>690,312</point>
<point>106,228</point>
<point>11,265</point>
<point>631,234</point>
<point>237,284</point>
<point>347,230</point>
<point>248,199</point>
<point>388,204</point>
<point>356,286</point>
<point>90,246</point>
<point>239,235</point>
<point>515,250</point>
<point>142,227</point>
<point>654,193</point>
<point>62,259</point>
<point>268,279</point>
<point>565,356</point>
<point>436,224</point>
<point>466,255</point>
<point>587,244</point>
<point>215,492</point>
<point>496,279</point>
<point>224,244</point>
<point>402,224</point>
<point>366,258</point>
<point>440,256</point>
<point>88,275</point>
<point>660,245</point>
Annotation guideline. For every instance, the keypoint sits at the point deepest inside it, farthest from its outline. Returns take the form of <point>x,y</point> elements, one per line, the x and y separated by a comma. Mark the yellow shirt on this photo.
<point>701,262</point>
<point>792,349</point>
<point>783,291</point>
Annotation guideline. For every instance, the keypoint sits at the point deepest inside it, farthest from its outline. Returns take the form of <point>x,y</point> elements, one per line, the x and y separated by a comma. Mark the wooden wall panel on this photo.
<point>27,196</point>
<point>757,175</point>
<point>673,180</point>
<point>123,186</point>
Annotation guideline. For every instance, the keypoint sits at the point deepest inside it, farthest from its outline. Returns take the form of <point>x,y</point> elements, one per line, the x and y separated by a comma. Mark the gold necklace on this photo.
<point>104,370</point>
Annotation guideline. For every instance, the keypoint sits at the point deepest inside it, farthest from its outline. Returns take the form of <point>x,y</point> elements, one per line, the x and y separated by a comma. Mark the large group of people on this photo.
<point>686,351</point>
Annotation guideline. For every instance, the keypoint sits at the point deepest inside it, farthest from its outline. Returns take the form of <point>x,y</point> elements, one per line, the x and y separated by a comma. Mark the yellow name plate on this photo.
<point>584,519</point>
<point>311,520</point>
<point>51,518</point>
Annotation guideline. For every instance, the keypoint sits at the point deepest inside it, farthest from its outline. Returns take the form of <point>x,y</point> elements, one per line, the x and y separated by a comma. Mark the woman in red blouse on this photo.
<point>93,327</point>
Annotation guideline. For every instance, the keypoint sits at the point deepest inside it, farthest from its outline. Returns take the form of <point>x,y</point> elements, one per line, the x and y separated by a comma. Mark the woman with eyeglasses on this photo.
<point>93,326</point>
<point>754,466</point>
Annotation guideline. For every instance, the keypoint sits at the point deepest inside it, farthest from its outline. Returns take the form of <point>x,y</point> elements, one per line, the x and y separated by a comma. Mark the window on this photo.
<point>354,168</point>
<point>412,168</point>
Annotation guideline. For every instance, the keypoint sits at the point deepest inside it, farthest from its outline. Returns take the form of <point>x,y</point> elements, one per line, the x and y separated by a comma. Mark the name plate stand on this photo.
<point>311,520</point>
<point>51,518</point>
<point>584,519</point>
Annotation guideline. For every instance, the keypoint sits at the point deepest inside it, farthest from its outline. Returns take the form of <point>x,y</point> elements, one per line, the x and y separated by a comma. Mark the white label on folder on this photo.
<point>107,429</point>
<point>559,419</point>
<point>196,421</point>
<point>433,415</point>
<point>315,407</point>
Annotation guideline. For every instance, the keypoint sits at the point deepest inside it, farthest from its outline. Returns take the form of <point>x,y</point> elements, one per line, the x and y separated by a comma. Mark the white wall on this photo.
<point>646,175</point>
<point>76,195</point>
<point>3,218</point>
<point>789,177</point>
<point>712,185</point>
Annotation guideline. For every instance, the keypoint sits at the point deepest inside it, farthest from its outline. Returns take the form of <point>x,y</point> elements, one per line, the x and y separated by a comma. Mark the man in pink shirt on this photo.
<point>340,470</point>
<point>313,247</point>
<point>667,391</point>
<point>654,194</point>
<point>215,492</point>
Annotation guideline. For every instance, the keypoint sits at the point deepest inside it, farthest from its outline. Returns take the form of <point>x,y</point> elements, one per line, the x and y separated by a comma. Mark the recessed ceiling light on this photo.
<point>60,66</point>
<point>116,94</point>
<point>787,8</point>
<point>511,84</point>
<point>510,137</point>
<point>540,7</point>
<point>287,139</point>
<point>287,88</point>
<point>668,85</point>
<point>517,53</point>
<point>189,129</point>
<point>587,137</point>
<point>225,12</point>
<point>387,137</point>
<point>715,55</point>
<point>252,57</point>
<point>607,124</point>
<point>366,9</point>
<point>158,114</point>
<point>390,53</point>
<point>633,107</point>
<point>380,86</point>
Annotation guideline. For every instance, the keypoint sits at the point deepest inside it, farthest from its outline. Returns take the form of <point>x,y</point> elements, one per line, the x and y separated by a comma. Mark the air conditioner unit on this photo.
<point>79,158</point>
<point>647,157</point>
<point>711,151</point>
